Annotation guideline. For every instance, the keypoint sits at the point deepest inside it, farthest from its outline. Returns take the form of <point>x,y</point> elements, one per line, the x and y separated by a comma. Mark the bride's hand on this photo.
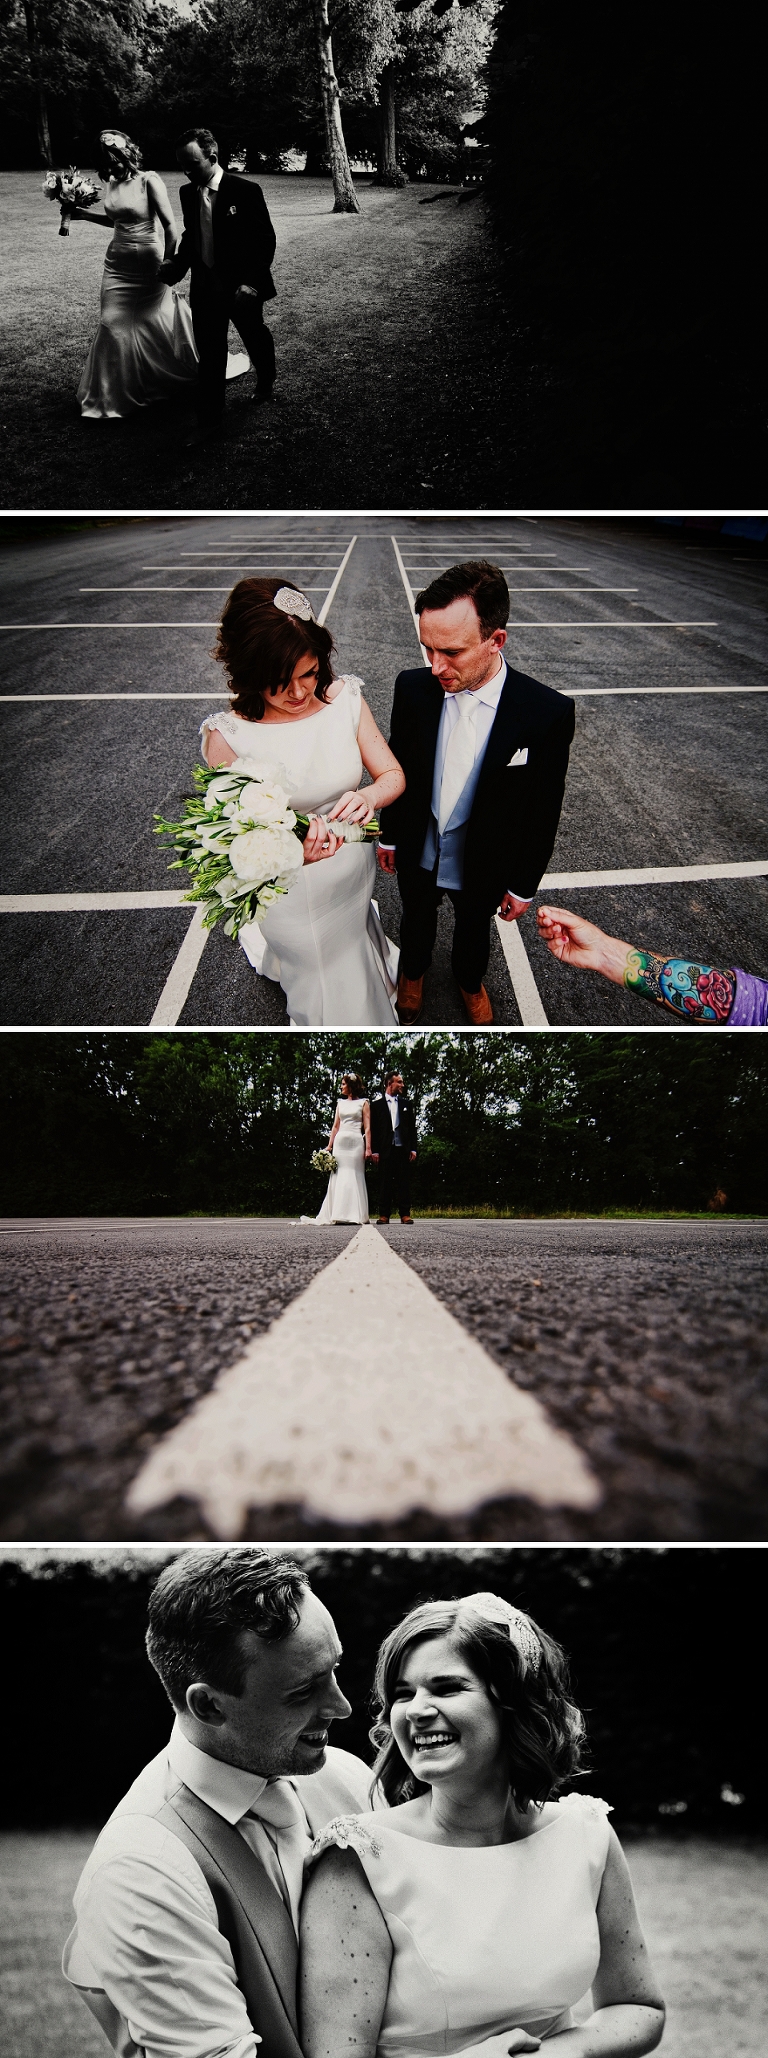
<point>319,841</point>
<point>352,807</point>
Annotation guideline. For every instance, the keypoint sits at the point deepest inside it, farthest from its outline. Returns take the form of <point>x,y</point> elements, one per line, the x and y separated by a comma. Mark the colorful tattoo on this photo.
<point>698,992</point>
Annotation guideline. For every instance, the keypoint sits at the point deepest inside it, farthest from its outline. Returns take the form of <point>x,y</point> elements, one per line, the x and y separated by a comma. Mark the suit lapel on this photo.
<point>261,1903</point>
<point>432,708</point>
<point>508,730</point>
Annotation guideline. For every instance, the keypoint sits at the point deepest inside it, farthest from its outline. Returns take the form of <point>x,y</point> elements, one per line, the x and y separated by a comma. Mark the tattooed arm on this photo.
<point>698,993</point>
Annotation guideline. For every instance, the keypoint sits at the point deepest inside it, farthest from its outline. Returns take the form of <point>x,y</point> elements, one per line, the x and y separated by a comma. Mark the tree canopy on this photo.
<point>174,1123</point>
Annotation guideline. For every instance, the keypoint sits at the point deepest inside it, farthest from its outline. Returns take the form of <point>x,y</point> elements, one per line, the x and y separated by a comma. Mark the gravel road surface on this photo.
<point>674,778</point>
<point>645,1340</point>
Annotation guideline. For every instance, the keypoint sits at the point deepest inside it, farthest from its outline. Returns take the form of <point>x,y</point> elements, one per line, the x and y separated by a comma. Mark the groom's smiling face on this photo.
<point>460,655</point>
<point>279,1724</point>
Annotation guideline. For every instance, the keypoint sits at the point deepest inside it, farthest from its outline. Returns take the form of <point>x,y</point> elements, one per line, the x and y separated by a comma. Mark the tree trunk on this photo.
<point>387,123</point>
<point>345,198</point>
<point>41,97</point>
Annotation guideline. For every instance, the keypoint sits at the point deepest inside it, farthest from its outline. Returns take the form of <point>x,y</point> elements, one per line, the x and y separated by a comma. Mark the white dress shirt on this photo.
<point>205,202</point>
<point>147,1928</point>
<point>487,698</point>
<point>393,1103</point>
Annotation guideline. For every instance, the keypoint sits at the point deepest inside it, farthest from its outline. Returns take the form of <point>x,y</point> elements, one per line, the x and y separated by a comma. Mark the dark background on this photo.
<point>664,1647</point>
<point>174,1123</point>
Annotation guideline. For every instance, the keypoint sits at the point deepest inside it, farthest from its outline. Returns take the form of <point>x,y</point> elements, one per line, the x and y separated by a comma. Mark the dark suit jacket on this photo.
<point>516,810</point>
<point>243,237</point>
<point>382,1137</point>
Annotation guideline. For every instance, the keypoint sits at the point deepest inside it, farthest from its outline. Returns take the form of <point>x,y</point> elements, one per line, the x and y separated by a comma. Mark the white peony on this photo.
<point>212,840</point>
<point>267,803</point>
<point>262,854</point>
<point>268,770</point>
<point>220,789</point>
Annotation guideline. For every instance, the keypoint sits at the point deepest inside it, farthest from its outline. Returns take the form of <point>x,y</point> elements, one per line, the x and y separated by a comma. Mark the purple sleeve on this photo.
<point>750,1007</point>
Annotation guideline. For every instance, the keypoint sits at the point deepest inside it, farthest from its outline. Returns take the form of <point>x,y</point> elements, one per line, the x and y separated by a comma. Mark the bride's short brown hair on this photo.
<point>260,646</point>
<point>543,1729</point>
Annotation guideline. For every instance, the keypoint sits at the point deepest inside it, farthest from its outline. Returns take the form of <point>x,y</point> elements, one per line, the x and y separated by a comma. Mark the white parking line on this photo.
<point>175,589</point>
<point>181,974</point>
<point>107,696</point>
<point>337,581</point>
<point>86,903</point>
<point>526,992</point>
<point>170,897</point>
<point>319,1412</point>
<point>655,875</point>
<point>108,625</point>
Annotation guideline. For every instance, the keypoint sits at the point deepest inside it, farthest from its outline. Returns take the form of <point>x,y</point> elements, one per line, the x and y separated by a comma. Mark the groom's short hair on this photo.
<point>203,137</point>
<point>202,1603</point>
<point>477,580</point>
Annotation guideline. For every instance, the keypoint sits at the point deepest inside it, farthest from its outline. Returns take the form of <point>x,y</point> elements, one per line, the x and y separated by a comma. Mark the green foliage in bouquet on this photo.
<point>323,1161</point>
<point>241,840</point>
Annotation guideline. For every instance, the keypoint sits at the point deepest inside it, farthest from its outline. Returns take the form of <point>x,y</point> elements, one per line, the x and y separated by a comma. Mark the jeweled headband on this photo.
<point>292,603</point>
<point>520,1630</point>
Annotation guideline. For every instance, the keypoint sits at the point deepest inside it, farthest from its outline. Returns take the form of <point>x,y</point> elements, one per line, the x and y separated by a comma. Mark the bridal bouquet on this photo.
<point>241,840</point>
<point>72,189</point>
<point>323,1161</point>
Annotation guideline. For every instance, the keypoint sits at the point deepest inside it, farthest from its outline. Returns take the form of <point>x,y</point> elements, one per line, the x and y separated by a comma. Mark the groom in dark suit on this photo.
<point>228,243</point>
<point>393,1146</point>
<point>485,754</point>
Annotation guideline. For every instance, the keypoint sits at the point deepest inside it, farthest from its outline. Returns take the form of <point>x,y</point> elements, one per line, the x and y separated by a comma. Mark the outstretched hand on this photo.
<point>509,2040</point>
<point>570,939</point>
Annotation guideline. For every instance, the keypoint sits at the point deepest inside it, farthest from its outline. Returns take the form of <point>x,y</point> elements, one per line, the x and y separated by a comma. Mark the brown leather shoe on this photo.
<point>383,1219</point>
<point>405,1220</point>
<point>478,1007</point>
<point>409,998</point>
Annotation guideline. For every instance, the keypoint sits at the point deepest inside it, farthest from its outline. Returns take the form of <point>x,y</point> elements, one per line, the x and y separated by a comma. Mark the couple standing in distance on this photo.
<point>257,1888</point>
<point>469,791</point>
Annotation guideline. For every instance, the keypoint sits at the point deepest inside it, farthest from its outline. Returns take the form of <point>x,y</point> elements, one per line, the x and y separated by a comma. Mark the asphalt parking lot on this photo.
<point>107,673</point>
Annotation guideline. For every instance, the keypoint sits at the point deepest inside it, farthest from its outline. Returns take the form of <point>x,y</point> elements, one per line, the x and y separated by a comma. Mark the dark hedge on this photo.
<point>661,1643</point>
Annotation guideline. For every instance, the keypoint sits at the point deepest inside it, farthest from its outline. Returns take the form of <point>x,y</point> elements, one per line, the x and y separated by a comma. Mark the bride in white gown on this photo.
<point>323,941</point>
<point>144,348</point>
<point>346,1199</point>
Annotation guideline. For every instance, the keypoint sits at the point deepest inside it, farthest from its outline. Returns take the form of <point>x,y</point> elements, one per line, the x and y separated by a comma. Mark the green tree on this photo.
<point>70,68</point>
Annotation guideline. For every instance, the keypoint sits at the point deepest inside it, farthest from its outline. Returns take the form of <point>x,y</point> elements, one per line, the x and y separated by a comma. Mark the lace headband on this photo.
<point>292,603</point>
<point>491,1608</point>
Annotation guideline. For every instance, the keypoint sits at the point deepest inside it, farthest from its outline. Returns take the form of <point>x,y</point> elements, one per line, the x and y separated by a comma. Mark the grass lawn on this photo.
<point>701,1903</point>
<point>392,385</point>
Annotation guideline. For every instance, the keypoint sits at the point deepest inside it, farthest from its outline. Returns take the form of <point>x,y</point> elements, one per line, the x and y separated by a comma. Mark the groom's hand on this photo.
<point>385,855</point>
<point>511,907</point>
<point>250,292</point>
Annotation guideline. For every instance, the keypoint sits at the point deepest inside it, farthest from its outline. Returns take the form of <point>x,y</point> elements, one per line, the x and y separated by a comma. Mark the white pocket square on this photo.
<point>520,758</point>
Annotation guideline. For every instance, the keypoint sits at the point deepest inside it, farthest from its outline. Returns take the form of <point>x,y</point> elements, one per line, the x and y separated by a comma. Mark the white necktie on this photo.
<point>206,226</point>
<point>280,1814</point>
<point>459,756</point>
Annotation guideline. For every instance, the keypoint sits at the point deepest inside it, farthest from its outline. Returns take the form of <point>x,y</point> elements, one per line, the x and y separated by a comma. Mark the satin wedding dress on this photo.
<point>485,1940</point>
<point>323,941</point>
<point>347,1197</point>
<point>144,347</point>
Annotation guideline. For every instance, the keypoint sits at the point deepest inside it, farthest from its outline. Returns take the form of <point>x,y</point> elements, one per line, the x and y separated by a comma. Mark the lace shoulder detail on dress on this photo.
<point>347,1832</point>
<point>223,720</point>
<point>354,688</point>
<point>591,1804</point>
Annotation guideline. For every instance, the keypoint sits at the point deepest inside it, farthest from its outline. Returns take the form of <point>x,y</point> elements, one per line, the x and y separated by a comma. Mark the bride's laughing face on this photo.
<point>297,698</point>
<point>444,1721</point>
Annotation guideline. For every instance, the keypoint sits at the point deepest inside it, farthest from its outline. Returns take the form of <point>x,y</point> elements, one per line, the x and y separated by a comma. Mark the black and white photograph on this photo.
<point>397,1802</point>
<point>379,253</point>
